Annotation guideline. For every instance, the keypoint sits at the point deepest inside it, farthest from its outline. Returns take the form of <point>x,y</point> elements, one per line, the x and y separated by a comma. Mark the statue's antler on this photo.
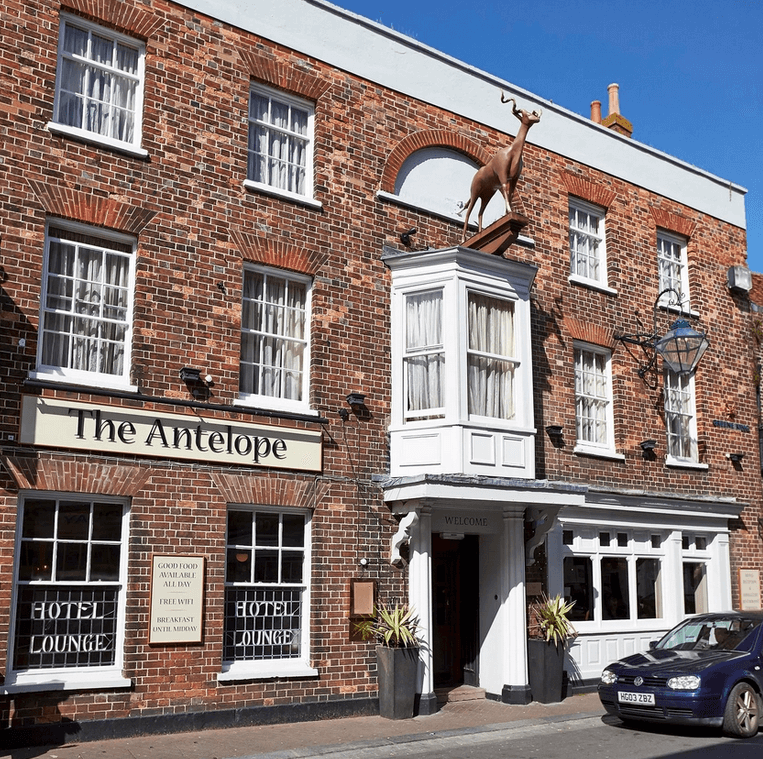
<point>514,109</point>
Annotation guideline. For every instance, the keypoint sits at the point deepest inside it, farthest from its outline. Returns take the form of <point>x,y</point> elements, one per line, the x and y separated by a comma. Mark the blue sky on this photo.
<point>690,71</point>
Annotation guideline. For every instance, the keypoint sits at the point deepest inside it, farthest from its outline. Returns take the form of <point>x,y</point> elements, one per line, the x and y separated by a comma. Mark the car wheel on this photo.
<point>742,714</point>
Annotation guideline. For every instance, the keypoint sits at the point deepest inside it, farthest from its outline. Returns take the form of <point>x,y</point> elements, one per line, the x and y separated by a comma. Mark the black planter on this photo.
<point>546,669</point>
<point>398,670</point>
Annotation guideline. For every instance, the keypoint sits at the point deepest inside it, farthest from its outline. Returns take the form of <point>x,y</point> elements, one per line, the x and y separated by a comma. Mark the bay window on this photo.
<point>461,358</point>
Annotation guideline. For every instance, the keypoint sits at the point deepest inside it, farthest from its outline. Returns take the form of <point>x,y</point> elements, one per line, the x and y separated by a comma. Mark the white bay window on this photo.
<point>462,387</point>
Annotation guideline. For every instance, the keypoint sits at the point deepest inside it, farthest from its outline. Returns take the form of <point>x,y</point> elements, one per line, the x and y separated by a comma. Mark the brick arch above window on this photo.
<point>59,200</point>
<point>588,190</point>
<point>278,254</point>
<point>269,490</point>
<point>124,16</point>
<point>433,138</point>
<point>586,332</point>
<point>672,221</point>
<point>289,78</point>
<point>75,476</point>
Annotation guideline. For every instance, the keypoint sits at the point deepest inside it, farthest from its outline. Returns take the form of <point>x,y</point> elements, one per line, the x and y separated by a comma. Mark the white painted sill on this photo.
<point>96,139</point>
<point>591,284</point>
<point>678,464</point>
<point>26,682</point>
<point>268,671</point>
<point>283,194</point>
<point>599,453</point>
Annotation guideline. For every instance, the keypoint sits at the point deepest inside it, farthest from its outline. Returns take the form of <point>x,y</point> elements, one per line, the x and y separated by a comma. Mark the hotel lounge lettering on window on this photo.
<point>97,427</point>
<point>65,628</point>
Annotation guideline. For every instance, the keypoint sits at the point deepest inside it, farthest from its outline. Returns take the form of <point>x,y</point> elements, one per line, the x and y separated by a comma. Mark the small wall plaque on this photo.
<point>749,589</point>
<point>177,599</point>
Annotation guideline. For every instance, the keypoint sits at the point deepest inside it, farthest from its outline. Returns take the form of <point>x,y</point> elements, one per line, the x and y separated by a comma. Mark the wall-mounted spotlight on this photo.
<point>405,237</point>
<point>648,445</point>
<point>356,401</point>
<point>200,388</point>
<point>554,432</point>
<point>735,458</point>
<point>190,375</point>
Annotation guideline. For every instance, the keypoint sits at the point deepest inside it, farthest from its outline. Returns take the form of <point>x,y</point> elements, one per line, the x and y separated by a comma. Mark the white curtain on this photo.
<point>592,396</point>
<point>679,413</point>
<point>273,344</point>
<point>98,97</point>
<point>490,370</point>
<point>86,313</point>
<point>277,144</point>
<point>424,359</point>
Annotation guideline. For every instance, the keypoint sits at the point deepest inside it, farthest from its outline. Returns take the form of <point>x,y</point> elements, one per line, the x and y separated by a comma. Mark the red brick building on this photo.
<point>227,373</point>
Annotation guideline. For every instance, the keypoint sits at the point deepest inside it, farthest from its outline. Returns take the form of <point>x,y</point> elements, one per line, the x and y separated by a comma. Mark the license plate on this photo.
<point>624,697</point>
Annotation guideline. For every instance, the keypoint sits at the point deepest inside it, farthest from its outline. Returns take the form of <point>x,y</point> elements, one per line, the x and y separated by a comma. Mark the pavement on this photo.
<point>328,737</point>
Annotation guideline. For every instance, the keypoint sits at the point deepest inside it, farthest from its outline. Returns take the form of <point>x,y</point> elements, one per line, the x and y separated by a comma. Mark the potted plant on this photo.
<point>549,629</point>
<point>395,629</point>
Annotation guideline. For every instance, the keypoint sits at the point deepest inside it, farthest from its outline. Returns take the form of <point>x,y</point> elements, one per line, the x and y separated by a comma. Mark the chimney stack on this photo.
<point>615,121</point>
<point>596,111</point>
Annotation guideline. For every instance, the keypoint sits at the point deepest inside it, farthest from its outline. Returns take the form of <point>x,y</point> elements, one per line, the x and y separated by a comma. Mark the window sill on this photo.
<point>592,284</point>
<point>283,194</point>
<point>680,464</point>
<point>599,453</point>
<point>24,682</point>
<point>267,671</point>
<point>267,404</point>
<point>96,139</point>
<point>96,383</point>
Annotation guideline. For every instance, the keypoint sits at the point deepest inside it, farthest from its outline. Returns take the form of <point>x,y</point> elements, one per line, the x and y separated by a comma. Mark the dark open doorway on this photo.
<point>455,578</point>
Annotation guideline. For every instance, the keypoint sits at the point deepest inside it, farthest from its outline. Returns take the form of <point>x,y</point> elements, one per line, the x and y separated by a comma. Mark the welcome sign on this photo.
<point>115,429</point>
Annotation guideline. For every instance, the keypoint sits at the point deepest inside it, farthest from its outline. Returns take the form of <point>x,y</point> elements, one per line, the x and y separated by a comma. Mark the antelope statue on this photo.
<point>503,169</point>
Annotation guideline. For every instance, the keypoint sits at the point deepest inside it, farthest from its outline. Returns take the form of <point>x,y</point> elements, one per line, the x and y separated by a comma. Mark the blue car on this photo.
<point>706,671</point>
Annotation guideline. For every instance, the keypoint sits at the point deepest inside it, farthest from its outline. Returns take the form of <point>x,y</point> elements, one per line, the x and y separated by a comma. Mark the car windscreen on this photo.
<point>720,633</point>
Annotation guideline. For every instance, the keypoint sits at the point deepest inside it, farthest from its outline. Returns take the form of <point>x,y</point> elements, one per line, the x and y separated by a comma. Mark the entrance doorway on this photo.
<point>455,634</point>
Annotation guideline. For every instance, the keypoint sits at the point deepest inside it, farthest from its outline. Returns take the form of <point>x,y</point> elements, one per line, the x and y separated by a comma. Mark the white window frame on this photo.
<point>495,358</point>
<point>298,666</point>
<point>57,373</point>
<point>673,270</point>
<point>423,352</point>
<point>270,401</point>
<point>582,236</point>
<point>586,544</point>
<point>607,447</point>
<point>72,677</point>
<point>57,125</point>
<point>306,197</point>
<point>684,391</point>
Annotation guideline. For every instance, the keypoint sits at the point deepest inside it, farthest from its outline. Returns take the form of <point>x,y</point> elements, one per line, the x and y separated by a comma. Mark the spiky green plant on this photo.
<point>393,626</point>
<point>549,620</point>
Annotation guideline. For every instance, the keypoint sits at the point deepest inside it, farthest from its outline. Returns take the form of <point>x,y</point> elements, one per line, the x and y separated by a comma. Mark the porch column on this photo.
<point>516,689</point>
<point>420,598</point>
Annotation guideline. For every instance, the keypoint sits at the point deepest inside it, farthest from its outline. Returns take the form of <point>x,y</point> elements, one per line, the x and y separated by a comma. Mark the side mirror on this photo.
<point>652,645</point>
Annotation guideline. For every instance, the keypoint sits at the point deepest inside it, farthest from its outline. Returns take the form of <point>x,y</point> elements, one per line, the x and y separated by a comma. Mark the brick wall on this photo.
<point>196,225</point>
